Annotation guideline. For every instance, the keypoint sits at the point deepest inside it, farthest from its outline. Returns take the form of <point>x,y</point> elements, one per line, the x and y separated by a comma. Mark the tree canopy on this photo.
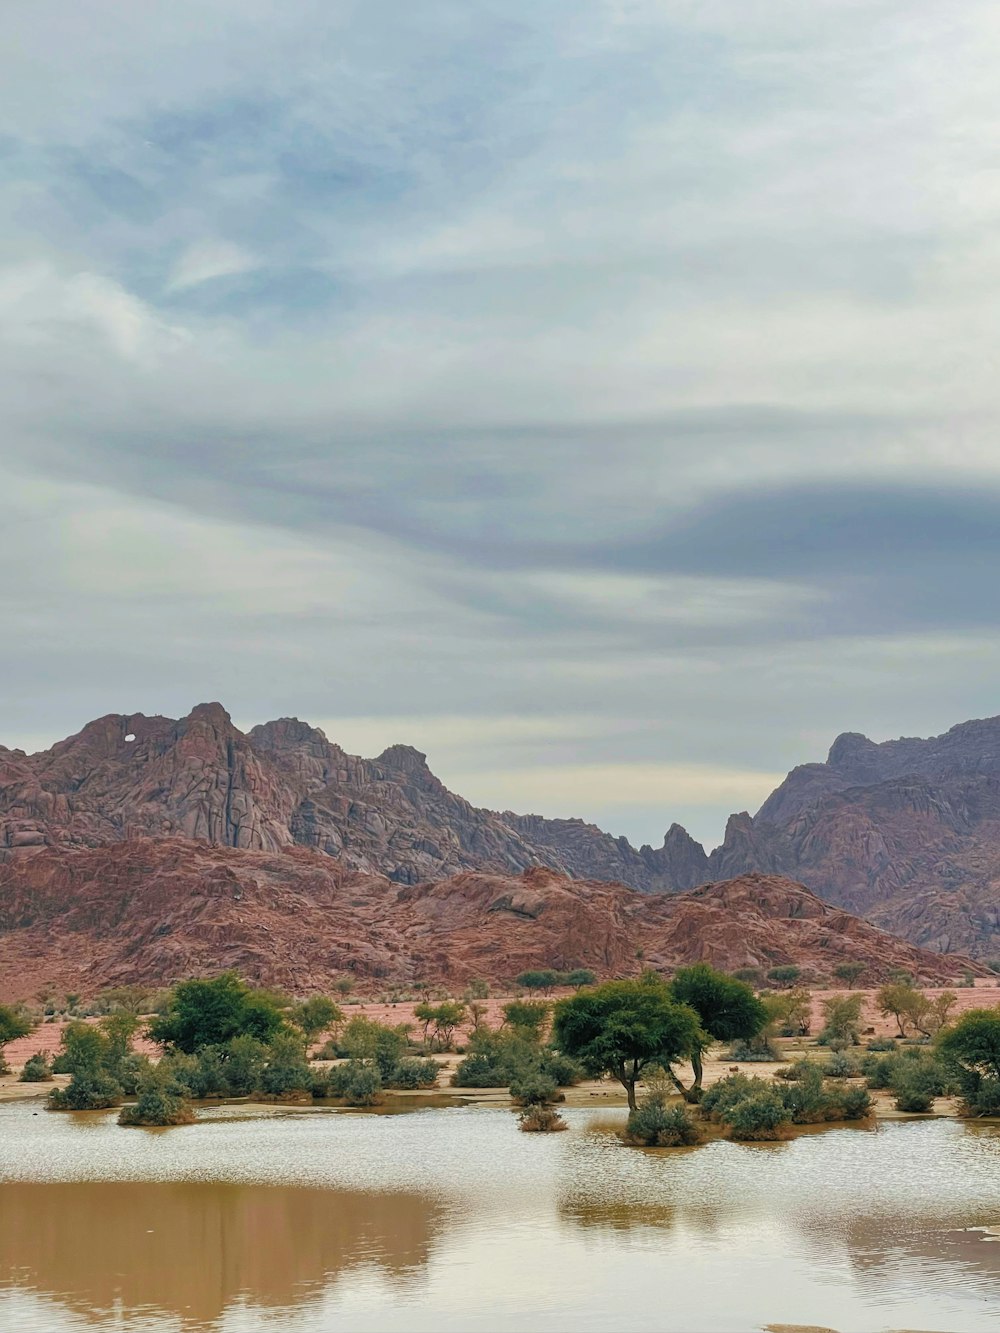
<point>621,1027</point>
<point>727,1009</point>
<point>212,1012</point>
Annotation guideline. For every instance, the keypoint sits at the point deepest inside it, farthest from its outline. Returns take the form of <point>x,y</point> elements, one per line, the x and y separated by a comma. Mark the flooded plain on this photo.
<point>450,1219</point>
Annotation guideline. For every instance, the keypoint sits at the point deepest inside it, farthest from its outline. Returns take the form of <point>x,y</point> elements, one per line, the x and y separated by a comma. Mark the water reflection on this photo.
<point>452,1221</point>
<point>194,1249</point>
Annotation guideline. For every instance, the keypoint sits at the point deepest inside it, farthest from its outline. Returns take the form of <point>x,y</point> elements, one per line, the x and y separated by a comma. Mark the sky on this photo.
<point>601,397</point>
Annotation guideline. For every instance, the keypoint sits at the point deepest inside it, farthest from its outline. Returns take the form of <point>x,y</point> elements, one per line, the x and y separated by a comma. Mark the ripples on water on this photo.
<point>452,1220</point>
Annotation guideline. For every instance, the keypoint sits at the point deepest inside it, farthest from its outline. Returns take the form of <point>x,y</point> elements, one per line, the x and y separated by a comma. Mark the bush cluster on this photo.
<point>753,1108</point>
<point>655,1124</point>
<point>506,1057</point>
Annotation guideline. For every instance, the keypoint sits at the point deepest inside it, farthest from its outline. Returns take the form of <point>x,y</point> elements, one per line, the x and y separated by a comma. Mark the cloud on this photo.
<point>561,391</point>
<point>206,260</point>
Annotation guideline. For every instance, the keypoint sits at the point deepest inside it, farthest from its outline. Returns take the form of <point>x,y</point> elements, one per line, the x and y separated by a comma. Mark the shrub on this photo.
<point>842,1014</point>
<point>882,1044</point>
<point>840,1065</point>
<point>287,1070</point>
<point>358,1084</point>
<point>579,976</point>
<point>88,1090</point>
<point>37,1069</point>
<point>855,1103</point>
<point>761,1117</point>
<point>528,1017</point>
<point>758,1049</point>
<point>533,1089</point>
<point>160,1102</point>
<point>541,1120</point>
<point>786,975</point>
<point>478,989</point>
<point>480,1070</point>
<point>364,1039</point>
<point>566,1072</point>
<point>412,1073</point>
<point>654,1124</point>
<point>720,1096</point>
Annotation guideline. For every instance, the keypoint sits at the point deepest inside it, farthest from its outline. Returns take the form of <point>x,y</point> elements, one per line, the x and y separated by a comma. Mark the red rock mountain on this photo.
<point>284,783</point>
<point>906,833</point>
<point>153,910</point>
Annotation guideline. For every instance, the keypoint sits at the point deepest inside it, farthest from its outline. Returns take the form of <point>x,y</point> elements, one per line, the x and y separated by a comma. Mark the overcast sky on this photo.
<point>601,396</point>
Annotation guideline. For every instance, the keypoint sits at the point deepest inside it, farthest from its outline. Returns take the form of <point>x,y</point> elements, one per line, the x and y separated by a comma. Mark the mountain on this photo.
<point>906,832</point>
<point>284,783</point>
<point>151,910</point>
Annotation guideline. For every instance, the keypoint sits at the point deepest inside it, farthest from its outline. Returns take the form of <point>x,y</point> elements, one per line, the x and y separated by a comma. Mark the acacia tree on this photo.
<point>622,1027</point>
<point>971,1051</point>
<point>850,972</point>
<point>210,1013</point>
<point>316,1015</point>
<point>906,1004</point>
<point>727,1009</point>
<point>14,1023</point>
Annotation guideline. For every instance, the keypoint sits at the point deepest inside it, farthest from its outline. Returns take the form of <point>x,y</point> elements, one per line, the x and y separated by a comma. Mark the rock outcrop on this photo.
<point>154,910</point>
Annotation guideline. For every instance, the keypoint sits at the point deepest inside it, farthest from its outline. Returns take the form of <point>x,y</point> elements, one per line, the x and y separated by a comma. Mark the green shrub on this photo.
<point>287,1070</point>
<point>882,1044</point>
<point>160,1102</point>
<point>761,1117</point>
<point>541,1120</point>
<point>87,1090</point>
<point>37,1069</point>
<point>720,1096</point>
<point>533,1089</point>
<point>357,1083</point>
<point>565,1072</point>
<point>480,1070</point>
<point>855,1103</point>
<point>759,1049</point>
<point>412,1073</point>
<point>840,1065</point>
<point>654,1124</point>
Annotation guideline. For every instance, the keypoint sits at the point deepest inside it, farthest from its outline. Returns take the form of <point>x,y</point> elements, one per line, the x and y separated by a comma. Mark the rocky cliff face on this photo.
<point>154,910</point>
<point>906,832</point>
<point>283,783</point>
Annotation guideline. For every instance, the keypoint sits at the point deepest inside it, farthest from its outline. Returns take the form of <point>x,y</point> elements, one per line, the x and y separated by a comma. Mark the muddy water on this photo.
<point>449,1219</point>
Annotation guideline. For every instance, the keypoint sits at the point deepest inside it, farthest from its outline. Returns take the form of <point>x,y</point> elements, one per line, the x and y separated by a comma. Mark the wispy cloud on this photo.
<point>622,362</point>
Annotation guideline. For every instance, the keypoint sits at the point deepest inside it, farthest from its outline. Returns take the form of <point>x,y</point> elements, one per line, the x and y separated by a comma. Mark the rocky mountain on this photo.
<point>906,832</point>
<point>283,783</point>
<point>152,910</point>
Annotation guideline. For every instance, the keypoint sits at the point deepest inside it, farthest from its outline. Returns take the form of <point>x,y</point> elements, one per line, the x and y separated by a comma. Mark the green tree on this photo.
<point>37,1069</point>
<point>971,1052</point>
<point>727,1010</point>
<point>786,975</point>
<point>14,1023</point>
<point>316,1015</point>
<point>907,1005</point>
<point>580,976</point>
<point>527,1017</point>
<point>542,978</point>
<point>842,1014</point>
<point>621,1027</point>
<point>210,1013</point>
<point>850,973</point>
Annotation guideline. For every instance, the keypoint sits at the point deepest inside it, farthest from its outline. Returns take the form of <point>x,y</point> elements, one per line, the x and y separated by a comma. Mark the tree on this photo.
<point>344,985</point>
<point>842,1014</point>
<point>790,1011</point>
<point>727,1010</point>
<point>210,1013</point>
<point>971,1052</point>
<point>316,1015</point>
<point>908,1006</point>
<point>580,976</point>
<point>621,1027</point>
<point>786,975</point>
<point>287,1069</point>
<point>14,1023</point>
<point>528,1016</point>
<point>542,979</point>
<point>850,972</point>
<point>86,1051</point>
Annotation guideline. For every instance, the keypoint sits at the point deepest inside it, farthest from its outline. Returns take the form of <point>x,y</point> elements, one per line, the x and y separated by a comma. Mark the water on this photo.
<point>450,1219</point>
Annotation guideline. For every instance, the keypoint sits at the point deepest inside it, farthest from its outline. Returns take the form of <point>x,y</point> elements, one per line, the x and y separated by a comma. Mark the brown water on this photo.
<point>449,1219</point>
